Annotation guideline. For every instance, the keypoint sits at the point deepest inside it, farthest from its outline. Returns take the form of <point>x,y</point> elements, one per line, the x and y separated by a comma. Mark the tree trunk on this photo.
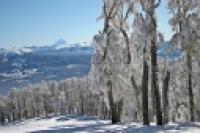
<point>19,113</point>
<point>154,71</point>
<point>145,94</point>
<point>119,110</point>
<point>13,116</point>
<point>82,105</point>
<point>2,118</point>
<point>113,106</point>
<point>191,96</point>
<point>137,98</point>
<point>25,113</point>
<point>165,99</point>
<point>153,102</point>
<point>9,118</point>
<point>45,108</point>
<point>156,103</point>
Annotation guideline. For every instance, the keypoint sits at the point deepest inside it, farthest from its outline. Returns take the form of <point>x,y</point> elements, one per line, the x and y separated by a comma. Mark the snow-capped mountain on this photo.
<point>166,50</point>
<point>56,46</point>
<point>62,44</point>
<point>59,44</point>
<point>22,66</point>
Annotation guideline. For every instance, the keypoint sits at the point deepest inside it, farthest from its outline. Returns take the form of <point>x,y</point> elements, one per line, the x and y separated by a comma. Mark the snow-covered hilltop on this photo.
<point>62,44</point>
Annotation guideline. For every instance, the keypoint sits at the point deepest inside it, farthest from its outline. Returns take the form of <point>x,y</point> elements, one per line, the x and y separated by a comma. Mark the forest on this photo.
<point>128,81</point>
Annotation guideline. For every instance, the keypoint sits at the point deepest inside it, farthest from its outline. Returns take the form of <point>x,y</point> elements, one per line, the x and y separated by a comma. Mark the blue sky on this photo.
<point>42,22</point>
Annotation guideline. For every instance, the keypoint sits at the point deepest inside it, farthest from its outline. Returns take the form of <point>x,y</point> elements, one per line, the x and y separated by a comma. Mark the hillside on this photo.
<point>30,65</point>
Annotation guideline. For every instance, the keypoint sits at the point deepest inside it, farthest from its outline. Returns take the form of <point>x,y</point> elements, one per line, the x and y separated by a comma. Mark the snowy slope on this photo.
<point>84,124</point>
<point>62,44</point>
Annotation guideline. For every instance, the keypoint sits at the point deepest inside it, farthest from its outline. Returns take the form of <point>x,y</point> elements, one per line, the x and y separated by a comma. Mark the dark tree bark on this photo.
<point>25,114</point>
<point>154,65</point>
<point>119,110</point>
<point>34,112</point>
<point>45,107</point>
<point>37,112</point>
<point>137,97</point>
<point>153,102</point>
<point>13,116</point>
<point>152,30</point>
<point>113,106</point>
<point>191,95</point>
<point>165,98</point>
<point>145,94</point>
<point>128,56</point>
<point>154,71</point>
<point>9,118</point>
<point>2,118</point>
<point>82,104</point>
<point>19,113</point>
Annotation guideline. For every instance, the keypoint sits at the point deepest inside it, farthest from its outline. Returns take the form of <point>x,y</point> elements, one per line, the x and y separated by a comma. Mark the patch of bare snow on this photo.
<point>86,124</point>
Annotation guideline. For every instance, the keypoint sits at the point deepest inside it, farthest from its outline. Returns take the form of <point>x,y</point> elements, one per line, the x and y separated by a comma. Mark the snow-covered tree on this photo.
<point>185,23</point>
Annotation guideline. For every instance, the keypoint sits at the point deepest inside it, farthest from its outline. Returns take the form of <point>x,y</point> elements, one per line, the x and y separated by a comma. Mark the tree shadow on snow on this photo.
<point>97,126</point>
<point>76,117</point>
<point>178,127</point>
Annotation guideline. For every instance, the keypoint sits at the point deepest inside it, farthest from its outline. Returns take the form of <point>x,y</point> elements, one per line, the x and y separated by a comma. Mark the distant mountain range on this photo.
<point>22,66</point>
<point>58,45</point>
<point>166,50</point>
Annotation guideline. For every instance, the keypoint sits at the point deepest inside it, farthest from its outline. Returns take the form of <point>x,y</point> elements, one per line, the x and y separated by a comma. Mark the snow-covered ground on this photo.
<point>85,124</point>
